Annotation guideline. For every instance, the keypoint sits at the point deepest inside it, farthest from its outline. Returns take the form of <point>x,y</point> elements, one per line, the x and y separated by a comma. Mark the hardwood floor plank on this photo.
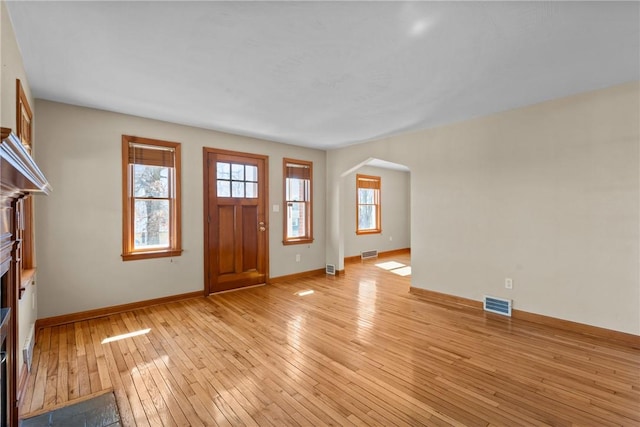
<point>92,372</point>
<point>153,388</point>
<point>35,388</point>
<point>129,404</point>
<point>50,379</point>
<point>201,402</point>
<point>101,360</point>
<point>360,350</point>
<point>62,391</point>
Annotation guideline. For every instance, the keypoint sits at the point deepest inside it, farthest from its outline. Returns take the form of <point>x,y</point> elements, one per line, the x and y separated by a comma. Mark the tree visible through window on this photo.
<point>297,194</point>
<point>368,213</point>
<point>151,198</point>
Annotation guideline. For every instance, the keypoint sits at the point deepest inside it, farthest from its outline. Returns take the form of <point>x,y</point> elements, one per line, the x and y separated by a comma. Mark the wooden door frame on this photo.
<point>205,208</point>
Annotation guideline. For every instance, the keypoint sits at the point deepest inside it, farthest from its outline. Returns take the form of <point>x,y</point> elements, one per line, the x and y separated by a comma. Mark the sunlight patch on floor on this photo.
<point>127,335</point>
<point>390,265</point>
<point>403,271</point>
<point>396,268</point>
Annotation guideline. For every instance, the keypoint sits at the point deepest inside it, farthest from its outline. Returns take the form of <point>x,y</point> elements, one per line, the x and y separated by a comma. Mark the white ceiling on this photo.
<point>322,74</point>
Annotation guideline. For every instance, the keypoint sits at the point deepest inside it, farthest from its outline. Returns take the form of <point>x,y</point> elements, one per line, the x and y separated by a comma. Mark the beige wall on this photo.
<point>11,69</point>
<point>547,195</point>
<point>80,226</point>
<point>396,230</point>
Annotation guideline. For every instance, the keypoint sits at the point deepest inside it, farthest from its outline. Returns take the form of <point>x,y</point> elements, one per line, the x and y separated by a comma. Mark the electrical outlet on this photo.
<point>297,257</point>
<point>508,283</point>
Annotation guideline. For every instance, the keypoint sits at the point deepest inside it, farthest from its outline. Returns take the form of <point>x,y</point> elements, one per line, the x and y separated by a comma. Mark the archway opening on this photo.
<point>394,235</point>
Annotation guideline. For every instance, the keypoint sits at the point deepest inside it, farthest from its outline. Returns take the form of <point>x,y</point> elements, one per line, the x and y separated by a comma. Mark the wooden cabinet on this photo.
<point>19,178</point>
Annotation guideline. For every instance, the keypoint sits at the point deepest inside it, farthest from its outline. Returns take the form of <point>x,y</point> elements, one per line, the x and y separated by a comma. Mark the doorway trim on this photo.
<point>205,209</point>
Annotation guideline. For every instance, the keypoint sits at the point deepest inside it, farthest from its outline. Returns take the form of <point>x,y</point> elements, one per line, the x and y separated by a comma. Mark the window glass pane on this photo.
<point>150,181</point>
<point>297,189</point>
<point>367,217</point>
<point>237,172</point>
<point>366,195</point>
<point>224,170</point>
<point>296,219</point>
<point>237,189</point>
<point>252,173</point>
<point>224,188</point>
<point>151,224</point>
<point>252,190</point>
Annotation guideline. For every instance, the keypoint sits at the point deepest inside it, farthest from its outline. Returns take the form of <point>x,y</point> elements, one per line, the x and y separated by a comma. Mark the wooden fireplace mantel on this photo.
<point>19,177</point>
<point>20,173</point>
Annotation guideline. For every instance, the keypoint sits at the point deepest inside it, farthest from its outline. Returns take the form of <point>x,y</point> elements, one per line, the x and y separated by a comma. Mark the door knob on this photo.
<point>263,228</point>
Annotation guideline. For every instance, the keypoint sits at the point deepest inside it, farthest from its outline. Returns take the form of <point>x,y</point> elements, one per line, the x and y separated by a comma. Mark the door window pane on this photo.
<point>251,173</point>
<point>237,172</point>
<point>224,188</point>
<point>224,171</point>
<point>237,189</point>
<point>252,190</point>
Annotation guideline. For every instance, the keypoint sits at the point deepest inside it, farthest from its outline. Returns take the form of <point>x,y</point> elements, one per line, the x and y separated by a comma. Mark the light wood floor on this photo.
<point>360,350</point>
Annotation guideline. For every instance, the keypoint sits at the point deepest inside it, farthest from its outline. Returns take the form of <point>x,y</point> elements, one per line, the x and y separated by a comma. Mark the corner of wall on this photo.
<point>12,68</point>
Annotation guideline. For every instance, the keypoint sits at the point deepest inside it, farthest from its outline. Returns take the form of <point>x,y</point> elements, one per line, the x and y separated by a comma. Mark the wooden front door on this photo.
<point>235,244</point>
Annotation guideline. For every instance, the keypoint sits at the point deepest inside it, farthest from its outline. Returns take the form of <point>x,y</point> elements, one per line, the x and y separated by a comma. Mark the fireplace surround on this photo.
<point>19,177</point>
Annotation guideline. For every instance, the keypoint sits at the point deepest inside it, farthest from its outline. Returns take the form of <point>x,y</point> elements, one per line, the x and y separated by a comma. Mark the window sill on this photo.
<point>358,232</point>
<point>27,277</point>
<point>297,242</point>
<point>149,255</point>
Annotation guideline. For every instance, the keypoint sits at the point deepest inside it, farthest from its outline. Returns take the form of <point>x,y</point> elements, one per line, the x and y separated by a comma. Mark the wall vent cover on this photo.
<point>369,254</point>
<point>331,269</point>
<point>497,305</point>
